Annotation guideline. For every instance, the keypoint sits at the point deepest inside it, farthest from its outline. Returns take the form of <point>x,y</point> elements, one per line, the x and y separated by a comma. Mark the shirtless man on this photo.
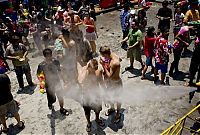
<point>72,23</point>
<point>111,67</point>
<point>89,79</point>
<point>69,62</point>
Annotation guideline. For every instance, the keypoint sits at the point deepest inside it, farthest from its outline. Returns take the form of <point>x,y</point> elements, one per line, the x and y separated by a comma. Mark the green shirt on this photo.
<point>133,37</point>
<point>17,50</point>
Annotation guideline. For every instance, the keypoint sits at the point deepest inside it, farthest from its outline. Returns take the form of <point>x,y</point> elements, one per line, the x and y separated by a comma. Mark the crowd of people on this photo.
<point>66,36</point>
<point>156,45</point>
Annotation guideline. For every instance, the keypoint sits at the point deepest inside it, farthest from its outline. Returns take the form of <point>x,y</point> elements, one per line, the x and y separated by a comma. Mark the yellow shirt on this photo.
<point>191,16</point>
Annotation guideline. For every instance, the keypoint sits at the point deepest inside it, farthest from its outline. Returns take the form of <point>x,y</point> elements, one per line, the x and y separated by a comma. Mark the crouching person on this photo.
<point>7,103</point>
<point>89,78</point>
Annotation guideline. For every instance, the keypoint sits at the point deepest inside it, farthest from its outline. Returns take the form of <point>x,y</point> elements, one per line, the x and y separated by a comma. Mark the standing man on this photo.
<point>111,68</point>
<point>69,62</point>
<point>124,20</point>
<point>50,67</point>
<point>164,15</point>
<point>134,41</point>
<point>89,79</point>
<point>17,52</point>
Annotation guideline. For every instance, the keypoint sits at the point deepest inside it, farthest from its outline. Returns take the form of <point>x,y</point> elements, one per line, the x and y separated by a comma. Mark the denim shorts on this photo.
<point>149,61</point>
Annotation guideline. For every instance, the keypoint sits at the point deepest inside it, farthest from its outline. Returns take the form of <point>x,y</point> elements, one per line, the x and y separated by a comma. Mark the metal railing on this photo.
<point>179,126</point>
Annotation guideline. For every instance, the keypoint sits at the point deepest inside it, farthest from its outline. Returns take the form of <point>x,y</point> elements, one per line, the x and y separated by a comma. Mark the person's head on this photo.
<point>69,5</point>
<point>133,13</point>
<point>165,33</point>
<point>65,33</point>
<point>47,53</point>
<point>178,10</point>
<point>87,15</point>
<point>150,31</point>
<point>165,3</point>
<point>20,12</point>
<point>47,28</point>
<point>105,51</point>
<point>126,7</point>
<point>134,24</point>
<point>84,3</point>
<point>91,6</point>
<point>15,38</point>
<point>49,7</point>
<point>21,6</point>
<point>93,65</point>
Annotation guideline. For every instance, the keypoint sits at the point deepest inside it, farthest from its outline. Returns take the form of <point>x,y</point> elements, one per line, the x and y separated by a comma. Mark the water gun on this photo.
<point>41,78</point>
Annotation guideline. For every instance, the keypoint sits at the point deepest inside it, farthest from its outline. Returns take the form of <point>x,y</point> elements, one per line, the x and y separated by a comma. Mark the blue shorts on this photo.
<point>149,61</point>
<point>162,67</point>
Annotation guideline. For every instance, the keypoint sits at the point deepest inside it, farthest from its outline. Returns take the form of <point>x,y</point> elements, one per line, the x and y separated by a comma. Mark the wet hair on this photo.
<point>136,22</point>
<point>105,50</point>
<point>47,52</point>
<point>65,32</point>
<point>150,31</point>
<point>165,3</point>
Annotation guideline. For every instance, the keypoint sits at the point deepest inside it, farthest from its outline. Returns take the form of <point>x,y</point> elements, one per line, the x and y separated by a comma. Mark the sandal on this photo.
<point>21,126</point>
<point>4,131</point>
<point>117,119</point>
<point>100,123</point>
<point>88,128</point>
<point>128,68</point>
<point>63,111</point>
<point>109,112</point>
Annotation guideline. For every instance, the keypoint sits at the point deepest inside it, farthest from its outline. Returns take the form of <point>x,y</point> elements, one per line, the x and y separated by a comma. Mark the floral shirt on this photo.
<point>124,20</point>
<point>162,48</point>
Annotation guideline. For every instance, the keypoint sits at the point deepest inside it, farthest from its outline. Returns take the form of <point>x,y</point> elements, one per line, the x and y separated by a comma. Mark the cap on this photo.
<point>133,12</point>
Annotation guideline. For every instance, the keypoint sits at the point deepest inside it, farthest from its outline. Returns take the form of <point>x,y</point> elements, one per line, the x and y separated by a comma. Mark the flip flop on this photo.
<point>21,126</point>
<point>109,112</point>
<point>88,128</point>
<point>100,123</point>
<point>117,119</point>
<point>64,112</point>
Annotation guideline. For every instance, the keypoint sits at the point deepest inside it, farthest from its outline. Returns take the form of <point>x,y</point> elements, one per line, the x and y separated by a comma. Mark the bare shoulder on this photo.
<point>115,60</point>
